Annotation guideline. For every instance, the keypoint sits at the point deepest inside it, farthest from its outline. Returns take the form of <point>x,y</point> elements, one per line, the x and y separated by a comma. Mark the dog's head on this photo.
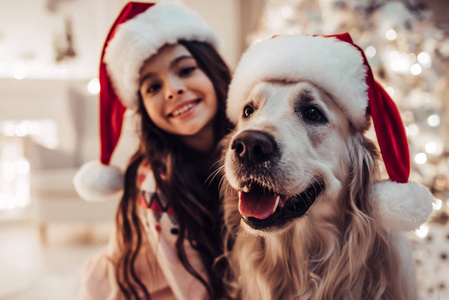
<point>289,151</point>
<point>302,105</point>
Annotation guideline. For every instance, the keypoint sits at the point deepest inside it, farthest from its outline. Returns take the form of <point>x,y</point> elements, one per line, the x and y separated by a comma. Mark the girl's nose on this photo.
<point>172,94</point>
<point>175,88</point>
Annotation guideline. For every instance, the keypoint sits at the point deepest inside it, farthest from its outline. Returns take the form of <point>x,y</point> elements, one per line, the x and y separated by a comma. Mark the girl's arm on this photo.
<point>98,278</point>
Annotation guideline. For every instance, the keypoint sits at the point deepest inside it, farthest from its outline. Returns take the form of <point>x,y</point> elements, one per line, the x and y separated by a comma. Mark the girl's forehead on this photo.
<point>164,57</point>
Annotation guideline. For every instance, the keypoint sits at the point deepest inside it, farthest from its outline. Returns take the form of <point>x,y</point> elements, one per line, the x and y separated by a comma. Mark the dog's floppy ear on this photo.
<point>363,155</point>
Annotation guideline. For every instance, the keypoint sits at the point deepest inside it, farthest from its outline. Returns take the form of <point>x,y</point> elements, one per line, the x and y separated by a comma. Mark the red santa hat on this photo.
<point>139,31</point>
<point>340,67</point>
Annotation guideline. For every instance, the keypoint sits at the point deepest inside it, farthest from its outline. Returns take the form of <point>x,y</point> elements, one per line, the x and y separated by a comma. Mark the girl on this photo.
<point>162,62</point>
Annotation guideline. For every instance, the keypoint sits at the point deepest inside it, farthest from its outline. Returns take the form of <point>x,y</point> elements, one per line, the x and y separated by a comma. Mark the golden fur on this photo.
<point>335,251</point>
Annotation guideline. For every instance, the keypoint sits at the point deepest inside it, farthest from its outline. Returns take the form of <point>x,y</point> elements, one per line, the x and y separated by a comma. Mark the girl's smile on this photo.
<point>184,109</point>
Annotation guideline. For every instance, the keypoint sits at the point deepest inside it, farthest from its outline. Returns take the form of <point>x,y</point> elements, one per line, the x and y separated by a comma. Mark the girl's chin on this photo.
<point>191,127</point>
<point>189,131</point>
<point>196,130</point>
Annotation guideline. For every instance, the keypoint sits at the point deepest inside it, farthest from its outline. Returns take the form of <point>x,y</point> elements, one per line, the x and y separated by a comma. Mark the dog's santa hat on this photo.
<point>139,31</point>
<point>340,67</point>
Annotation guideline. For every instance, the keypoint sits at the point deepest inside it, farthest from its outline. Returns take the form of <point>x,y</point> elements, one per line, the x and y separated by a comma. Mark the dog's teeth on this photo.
<point>246,189</point>
<point>278,198</point>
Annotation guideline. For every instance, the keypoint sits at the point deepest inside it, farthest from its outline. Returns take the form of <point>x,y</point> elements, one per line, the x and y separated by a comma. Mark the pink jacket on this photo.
<point>157,265</point>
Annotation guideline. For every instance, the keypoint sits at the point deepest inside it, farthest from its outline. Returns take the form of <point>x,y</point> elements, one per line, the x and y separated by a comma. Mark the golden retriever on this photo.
<point>298,206</point>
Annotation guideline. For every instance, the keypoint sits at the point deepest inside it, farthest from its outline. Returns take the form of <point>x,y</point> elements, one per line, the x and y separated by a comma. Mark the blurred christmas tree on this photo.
<point>408,50</point>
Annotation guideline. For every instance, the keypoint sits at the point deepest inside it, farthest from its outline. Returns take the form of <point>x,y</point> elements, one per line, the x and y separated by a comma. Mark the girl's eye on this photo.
<point>313,114</point>
<point>186,71</point>
<point>248,110</point>
<point>153,88</point>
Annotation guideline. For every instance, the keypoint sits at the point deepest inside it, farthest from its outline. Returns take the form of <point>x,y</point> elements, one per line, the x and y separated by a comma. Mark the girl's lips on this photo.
<point>183,108</point>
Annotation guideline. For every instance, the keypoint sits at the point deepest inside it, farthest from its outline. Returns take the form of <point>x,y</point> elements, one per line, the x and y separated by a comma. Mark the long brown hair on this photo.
<point>195,203</point>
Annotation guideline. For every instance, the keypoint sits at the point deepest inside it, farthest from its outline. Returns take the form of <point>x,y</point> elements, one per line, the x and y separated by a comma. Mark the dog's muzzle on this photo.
<point>262,206</point>
<point>253,147</point>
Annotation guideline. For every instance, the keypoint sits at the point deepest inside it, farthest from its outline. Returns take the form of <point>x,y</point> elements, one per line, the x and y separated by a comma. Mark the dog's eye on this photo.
<point>313,114</point>
<point>248,110</point>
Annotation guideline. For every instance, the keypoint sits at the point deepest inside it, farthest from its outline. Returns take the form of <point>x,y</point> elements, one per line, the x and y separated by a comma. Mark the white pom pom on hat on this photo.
<point>401,206</point>
<point>97,182</point>
<point>139,31</point>
<point>340,67</point>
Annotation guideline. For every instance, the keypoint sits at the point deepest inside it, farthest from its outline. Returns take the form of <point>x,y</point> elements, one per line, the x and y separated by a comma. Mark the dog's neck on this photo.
<point>285,262</point>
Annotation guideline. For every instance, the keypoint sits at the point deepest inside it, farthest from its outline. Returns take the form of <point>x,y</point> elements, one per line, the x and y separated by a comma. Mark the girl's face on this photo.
<point>178,96</point>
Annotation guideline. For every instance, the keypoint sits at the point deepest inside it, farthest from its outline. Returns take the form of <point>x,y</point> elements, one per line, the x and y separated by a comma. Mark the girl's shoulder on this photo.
<point>145,177</point>
<point>146,184</point>
<point>149,197</point>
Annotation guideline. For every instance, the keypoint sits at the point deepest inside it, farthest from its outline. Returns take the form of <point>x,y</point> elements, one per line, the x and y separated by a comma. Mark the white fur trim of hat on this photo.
<point>319,61</point>
<point>138,39</point>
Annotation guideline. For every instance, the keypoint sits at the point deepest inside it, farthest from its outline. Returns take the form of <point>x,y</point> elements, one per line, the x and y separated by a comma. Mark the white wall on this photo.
<point>28,29</point>
<point>223,16</point>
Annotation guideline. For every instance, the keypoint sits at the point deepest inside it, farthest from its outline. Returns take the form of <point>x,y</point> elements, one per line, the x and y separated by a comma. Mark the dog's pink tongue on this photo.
<point>256,205</point>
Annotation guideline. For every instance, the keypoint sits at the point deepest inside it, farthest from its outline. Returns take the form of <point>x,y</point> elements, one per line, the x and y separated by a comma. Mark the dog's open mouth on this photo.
<point>262,208</point>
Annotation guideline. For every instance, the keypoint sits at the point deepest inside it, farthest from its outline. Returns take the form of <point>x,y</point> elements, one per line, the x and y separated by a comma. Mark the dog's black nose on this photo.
<point>253,146</point>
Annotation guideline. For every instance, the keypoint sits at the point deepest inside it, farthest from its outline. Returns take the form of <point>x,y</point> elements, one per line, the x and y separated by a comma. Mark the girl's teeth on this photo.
<point>182,110</point>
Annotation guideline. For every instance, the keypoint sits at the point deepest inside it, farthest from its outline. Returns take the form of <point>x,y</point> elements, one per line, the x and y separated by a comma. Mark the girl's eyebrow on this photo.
<point>172,65</point>
<point>145,77</point>
<point>178,59</point>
